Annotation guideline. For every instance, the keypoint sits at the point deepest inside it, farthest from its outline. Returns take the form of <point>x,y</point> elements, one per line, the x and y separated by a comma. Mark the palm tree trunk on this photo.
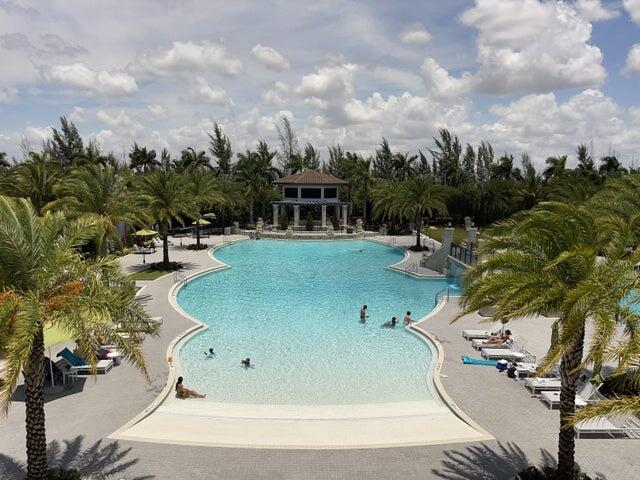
<point>34,403</point>
<point>165,244</point>
<point>198,233</point>
<point>251,210</point>
<point>418,228</point>
<point>569,373</point>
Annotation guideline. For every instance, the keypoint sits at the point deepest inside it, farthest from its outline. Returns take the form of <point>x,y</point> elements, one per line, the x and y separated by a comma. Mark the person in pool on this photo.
<point>184,392</point>
<point>391,323</point>
<point>246,362</point>
<point>407,319</point>
<point>363,313</point>
<point>210,353</point>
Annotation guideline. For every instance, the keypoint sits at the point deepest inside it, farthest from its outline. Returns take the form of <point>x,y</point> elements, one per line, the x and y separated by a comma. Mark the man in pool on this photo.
<point>210,353</point>
<point>363,313</point>
<point>391,323</point>
<point>246,362</point>
<point>407,319</point>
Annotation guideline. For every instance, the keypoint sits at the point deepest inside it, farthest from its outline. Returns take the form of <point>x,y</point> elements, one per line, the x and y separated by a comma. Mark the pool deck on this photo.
<point>80,420</point>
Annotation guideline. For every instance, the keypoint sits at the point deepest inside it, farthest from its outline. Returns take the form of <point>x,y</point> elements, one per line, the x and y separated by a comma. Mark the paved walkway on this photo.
<point>80,420</point>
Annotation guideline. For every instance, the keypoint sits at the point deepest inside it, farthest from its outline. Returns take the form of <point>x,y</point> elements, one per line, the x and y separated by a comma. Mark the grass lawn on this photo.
<point>460,235</point>
<point>148,274</point>
<point>53,335</point>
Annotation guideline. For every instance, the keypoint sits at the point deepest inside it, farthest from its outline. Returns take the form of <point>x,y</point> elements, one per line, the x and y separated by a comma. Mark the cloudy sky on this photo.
<point>527,75</point>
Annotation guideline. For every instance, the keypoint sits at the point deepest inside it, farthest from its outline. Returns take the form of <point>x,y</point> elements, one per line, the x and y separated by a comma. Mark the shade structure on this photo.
<point>145,232</point>
<point>202,221</point>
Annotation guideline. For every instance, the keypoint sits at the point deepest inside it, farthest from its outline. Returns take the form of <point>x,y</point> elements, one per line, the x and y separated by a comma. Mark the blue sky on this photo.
<point>526,75</point>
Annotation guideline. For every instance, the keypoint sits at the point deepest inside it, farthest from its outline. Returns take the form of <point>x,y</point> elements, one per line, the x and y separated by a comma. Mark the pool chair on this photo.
<point>615,427</point>
<point>77,365</point>
<point>519,355</point>
<point>477,334</point>
<point>537,385</point>
<point>585,395</point>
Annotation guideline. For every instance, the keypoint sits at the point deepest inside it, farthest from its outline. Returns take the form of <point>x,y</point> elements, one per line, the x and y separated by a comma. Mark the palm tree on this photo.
<point>411,200</point>
<point>165,197</point>
<point>4,163</point>
<point>192,160</point>
<point>544,262</point>
<point>44,281</point>
<point>100,191</point>
<point>610,167</point>
<point>360,175</point>
<point>255,171</point>
<point>91,156</point>
<point>556,166</point>
<point>35,179</point>
<point>142,160</point>
<point>205,191</point>
<point>403,168</point>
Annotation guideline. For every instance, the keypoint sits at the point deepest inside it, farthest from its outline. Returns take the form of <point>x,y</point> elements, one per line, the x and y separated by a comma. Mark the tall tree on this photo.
<point>142,160</point>
<point>336,157</point>
<point>469,164</point>
<point>91,155</point>
<point>4,163</point>
<point>165,197</point>
<point>545,262</point>
<point>447,158</point>
<point>311,157</point>
<point>44,281</point>
<point>610,167</point>
<point>255,171</point>
<point>35,179</point>
<point>191,160</point>
<point>361,179</point>
<point>66,145</point>
<point>484,161</point>
<point>424,168</point>
<point>383,161</point>
<point>556,167</point>
<point>220,148</point>
<point>403,166</point>
<point>413,200</point>
<point>205,191</point>
<point>289,154</point>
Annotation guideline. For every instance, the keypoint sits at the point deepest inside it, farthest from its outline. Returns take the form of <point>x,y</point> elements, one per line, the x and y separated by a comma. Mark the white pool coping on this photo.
<point>378,425</point>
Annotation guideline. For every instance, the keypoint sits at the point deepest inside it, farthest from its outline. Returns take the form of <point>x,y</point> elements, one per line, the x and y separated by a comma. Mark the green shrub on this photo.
<point>62,474</point>
<point>309,225</point>
<point>546,473</point>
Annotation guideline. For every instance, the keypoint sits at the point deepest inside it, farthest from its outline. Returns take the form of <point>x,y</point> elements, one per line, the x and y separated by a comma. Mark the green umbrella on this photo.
<point>202,221</point>
<point>145,232</point>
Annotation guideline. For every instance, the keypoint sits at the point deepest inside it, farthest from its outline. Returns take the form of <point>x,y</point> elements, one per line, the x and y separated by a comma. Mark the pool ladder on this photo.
<point>179,277</point>
<point>444,293</point>
<point>411,268</point>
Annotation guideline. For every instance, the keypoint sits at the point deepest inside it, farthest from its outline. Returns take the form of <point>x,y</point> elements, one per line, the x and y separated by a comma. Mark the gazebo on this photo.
<point>311,188</point>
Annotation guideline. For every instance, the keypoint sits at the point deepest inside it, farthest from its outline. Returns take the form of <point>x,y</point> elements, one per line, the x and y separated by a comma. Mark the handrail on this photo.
<point>412,267</point>
<point>179,276</point>
<point>440,294</point>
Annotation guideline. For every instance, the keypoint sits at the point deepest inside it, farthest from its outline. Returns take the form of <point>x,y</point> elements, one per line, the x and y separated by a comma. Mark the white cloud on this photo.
<point>120,121</point>
<point>593,10</point>
<point>206,93</point>
<point>532,46</point>
<point>276,94</point>
<point>156,110</point>
<point>633,7</point>
<point>77,115</point>
<point>190,57</point>
<point>8,95</point>
<point>633,59</point>
<point>415,34</point>
<point>395,77</point>
<point>270,58</point>
<point>37,135</point>
<point>99,83</point>
<point>328,84</point>
<point>441,83</point>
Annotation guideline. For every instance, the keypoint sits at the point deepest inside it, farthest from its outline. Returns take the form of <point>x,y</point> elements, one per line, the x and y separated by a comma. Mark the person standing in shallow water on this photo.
<point>407,319</point>
<point>363,313</point>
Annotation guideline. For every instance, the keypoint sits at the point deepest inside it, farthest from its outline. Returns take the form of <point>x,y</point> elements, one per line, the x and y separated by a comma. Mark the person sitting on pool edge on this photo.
<point>210,353</point>
<point>246,362</point>
<point>407,319</point>
<point>363,313</point>
<point>391,323</point>
<point>184,392</point>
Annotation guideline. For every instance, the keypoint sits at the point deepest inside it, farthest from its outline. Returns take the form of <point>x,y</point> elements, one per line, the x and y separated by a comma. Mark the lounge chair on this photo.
<point>477,334</point>
<point>145,250</point>
<point>626,427</point>
<point>506,354</point>
<point>78,365</point>
<point>585,395</point>
<point>526,369</point>
<point>479,344</point>
<point>537,385</point>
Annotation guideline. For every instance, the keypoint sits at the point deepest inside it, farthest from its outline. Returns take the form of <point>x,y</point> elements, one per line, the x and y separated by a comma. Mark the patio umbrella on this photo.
<point>145,232</point>
<point>202,221</point>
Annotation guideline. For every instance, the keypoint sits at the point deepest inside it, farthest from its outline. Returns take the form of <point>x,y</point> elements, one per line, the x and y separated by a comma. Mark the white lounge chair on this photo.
<point>628,427</point>
<point>477,334</point>
<point>526,369</point>
<point>585,395</point>
<point>537,385</point>
<point>77,365</point>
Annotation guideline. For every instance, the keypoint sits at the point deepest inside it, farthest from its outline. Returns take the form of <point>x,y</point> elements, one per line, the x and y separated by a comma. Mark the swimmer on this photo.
<point>391,323</point>
<point>246,362</point>
<point>407,319</point>
<point>210,353</point>
<point>363,313</point>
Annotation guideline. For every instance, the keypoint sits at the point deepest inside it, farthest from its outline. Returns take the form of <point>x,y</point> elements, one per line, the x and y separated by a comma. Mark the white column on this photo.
<point>324,216</point>
<point>276,215</point>
<point>345,215</point>
<point>296,215</point>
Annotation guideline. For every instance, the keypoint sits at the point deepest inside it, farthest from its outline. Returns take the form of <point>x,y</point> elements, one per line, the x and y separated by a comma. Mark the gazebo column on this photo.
<point>296,215</point>
<point>345,215</point>
<point>276,215</point>
<point>324,216</point>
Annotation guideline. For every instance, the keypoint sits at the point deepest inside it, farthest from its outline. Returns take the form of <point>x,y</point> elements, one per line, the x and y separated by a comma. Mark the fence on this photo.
<point>463,254</point>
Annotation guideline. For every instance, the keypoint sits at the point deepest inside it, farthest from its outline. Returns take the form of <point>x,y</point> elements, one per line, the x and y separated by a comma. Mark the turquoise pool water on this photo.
<point>293,308</point>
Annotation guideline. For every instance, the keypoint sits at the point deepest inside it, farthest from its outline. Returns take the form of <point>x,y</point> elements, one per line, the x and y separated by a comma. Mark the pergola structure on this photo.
<point>311,188</point>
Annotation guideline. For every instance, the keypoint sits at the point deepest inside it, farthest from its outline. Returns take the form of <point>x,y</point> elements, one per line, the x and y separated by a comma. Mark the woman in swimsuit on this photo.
<point>184,392</point>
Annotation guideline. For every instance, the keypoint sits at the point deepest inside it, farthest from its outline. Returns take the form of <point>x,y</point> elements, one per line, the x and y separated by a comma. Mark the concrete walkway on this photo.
<point>80,420</point>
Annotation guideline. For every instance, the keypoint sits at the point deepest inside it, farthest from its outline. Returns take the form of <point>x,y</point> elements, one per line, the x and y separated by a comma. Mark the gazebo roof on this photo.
<point>310,177</point>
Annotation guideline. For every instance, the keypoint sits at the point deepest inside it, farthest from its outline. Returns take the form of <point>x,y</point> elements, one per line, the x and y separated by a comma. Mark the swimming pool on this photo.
<point>293,308</point>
